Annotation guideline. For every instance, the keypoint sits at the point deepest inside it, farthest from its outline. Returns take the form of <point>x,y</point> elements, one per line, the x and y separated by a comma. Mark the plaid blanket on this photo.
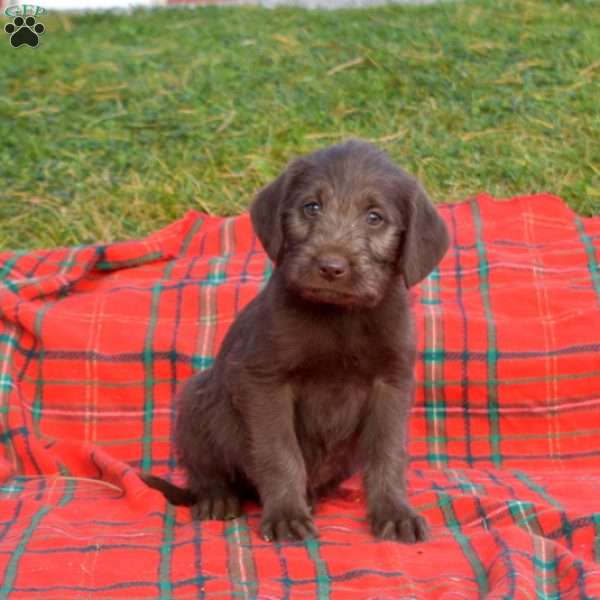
<point>505,434</point>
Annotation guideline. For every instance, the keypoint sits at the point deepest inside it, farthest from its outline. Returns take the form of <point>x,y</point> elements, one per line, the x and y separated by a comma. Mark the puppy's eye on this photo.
<point>312,209</point>
<point>374,218</point>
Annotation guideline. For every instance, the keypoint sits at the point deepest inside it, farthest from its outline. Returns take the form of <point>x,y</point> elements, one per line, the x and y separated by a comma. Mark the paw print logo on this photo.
<point>24,31</point>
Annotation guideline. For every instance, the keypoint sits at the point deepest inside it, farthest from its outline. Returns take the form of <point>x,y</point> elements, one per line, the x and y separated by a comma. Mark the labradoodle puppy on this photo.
<point>315,377</point>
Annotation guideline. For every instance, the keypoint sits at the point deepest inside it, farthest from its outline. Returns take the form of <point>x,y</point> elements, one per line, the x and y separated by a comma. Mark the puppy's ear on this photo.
<point>266,212</point>
<point>425,238</point>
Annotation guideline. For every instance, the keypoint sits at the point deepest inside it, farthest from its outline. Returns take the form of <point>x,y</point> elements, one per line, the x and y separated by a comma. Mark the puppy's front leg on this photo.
<point>384,443</point>
<point>276,464</point>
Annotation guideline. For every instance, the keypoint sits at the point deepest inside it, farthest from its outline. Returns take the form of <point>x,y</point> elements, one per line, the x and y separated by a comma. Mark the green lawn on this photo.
<point>118,124</point>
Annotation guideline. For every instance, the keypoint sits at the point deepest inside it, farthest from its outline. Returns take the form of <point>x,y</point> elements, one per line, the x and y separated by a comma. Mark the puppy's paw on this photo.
<point>400,523</point>
<point>220,508</point>
<point>300,527</point>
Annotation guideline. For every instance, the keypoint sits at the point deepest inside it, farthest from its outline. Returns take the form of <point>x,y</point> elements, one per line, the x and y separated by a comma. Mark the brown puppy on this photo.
<point>315,376</point>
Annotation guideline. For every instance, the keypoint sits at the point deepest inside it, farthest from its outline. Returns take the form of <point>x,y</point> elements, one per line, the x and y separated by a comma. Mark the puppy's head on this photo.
<point>343,222</point>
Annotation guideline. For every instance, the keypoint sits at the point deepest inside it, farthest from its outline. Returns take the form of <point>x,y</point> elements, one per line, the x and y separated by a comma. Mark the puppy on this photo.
<point>315,377</point>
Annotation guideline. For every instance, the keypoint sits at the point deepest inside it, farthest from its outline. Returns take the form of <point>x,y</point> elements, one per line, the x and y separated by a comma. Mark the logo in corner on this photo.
<point>25,28</point>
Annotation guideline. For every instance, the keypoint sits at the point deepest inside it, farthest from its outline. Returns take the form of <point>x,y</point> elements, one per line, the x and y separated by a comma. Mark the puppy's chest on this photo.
<point>331,366</point>
<point>345,349</point>
<point>331,380</point>
<point>329,410</point>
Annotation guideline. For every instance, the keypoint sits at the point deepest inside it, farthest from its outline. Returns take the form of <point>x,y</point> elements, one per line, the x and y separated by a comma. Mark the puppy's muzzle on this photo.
<point>329,281</point>
<point>333,268</point>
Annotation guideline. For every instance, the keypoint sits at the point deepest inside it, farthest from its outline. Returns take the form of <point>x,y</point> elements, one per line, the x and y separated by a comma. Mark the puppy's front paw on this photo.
<point>280,529</point>
<point>400,523</point>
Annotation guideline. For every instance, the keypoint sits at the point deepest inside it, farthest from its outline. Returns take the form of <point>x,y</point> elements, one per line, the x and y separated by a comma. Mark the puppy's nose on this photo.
<point>332,267</point>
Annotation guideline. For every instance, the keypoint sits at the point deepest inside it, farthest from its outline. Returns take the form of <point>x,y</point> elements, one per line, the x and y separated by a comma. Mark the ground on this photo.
<point>118,123</point>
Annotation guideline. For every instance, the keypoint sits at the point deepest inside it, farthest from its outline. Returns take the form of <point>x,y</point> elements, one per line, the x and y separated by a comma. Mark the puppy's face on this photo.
<point>341,230</point>
<point>339,224</point>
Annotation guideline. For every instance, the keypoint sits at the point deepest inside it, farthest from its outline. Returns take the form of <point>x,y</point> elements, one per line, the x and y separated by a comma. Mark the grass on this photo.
<point>117,124</point>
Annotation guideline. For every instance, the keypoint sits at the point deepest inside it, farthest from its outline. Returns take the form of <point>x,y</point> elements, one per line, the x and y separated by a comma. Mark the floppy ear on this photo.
<point>266,212</point>
<point>425,239</point>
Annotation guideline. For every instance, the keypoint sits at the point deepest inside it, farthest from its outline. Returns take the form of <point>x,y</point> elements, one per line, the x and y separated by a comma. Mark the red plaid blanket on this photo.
<point>505,434</point>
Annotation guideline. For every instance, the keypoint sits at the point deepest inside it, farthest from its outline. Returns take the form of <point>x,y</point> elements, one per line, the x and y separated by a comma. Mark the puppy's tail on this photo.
<point>173,493</point>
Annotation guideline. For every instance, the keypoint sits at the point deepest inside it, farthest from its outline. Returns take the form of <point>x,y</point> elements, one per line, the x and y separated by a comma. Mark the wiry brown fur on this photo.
<point>315,377</point>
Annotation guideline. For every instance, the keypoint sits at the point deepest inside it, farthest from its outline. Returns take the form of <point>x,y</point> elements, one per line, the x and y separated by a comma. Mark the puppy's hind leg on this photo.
<point>216,498</point>
<point>202,419</point>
